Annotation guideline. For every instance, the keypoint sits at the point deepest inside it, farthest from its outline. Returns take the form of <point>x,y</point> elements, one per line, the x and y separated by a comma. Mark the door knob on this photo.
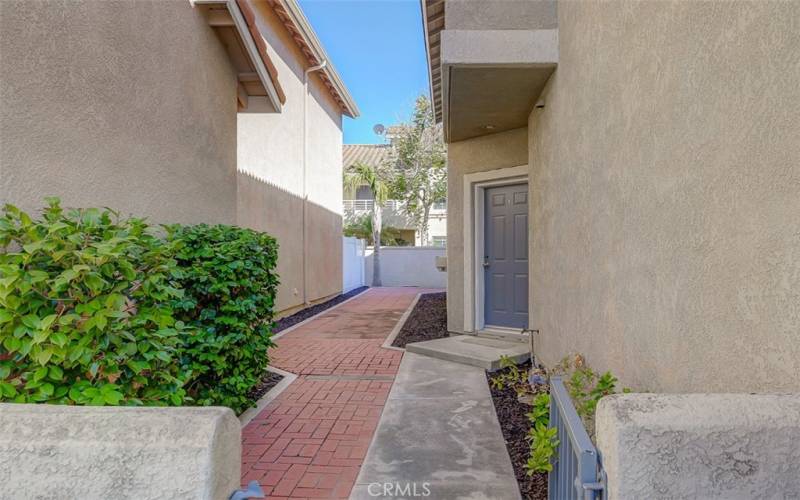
<point>486,261</point>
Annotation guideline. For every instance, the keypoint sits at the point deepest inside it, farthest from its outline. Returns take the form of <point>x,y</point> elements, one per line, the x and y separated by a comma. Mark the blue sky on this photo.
<point>378,49</point>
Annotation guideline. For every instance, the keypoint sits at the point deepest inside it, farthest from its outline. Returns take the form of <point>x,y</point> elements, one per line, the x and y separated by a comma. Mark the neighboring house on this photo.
<point>624,177</point>
<point>358,203</point>
<point>289,161</point>
<point>182,112</point>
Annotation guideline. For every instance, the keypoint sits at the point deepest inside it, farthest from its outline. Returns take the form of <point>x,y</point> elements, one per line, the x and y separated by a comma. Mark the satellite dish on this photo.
<point>379,129</point>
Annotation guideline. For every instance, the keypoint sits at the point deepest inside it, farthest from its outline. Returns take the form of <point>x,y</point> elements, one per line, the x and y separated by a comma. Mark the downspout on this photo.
<point>318,67</point>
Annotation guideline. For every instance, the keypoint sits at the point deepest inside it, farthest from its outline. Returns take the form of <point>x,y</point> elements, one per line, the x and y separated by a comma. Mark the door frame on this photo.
<point>474,213</point>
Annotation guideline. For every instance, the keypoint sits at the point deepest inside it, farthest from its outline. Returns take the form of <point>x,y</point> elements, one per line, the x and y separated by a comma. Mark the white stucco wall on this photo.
<point>270,164</point>
<point>130,105</point>
<point>408,266</point>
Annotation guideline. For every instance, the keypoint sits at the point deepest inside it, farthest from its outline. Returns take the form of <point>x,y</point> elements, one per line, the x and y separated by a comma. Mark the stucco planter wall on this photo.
<point>700,445</point>
<point>49,451</point>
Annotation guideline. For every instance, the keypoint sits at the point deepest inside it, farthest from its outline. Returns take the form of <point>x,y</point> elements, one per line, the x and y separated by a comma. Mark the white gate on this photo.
<point>353,251</point>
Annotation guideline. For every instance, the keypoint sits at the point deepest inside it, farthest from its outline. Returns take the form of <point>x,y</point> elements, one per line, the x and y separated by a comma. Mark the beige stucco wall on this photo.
<point>501,150</point>
<point>665,175</point>
<point>500,14</point>
<point>129,105</point>
<point>270,164</point>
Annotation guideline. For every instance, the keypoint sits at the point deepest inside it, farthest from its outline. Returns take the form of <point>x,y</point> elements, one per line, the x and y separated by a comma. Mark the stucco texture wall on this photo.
<point>270,164</point>
<point>130,105</point>
<point>407,266</point>
<point>500,14</point>
<point>666,195</point>
<point>690,446</point>
<point>96,453</point>
<point>491,152</point>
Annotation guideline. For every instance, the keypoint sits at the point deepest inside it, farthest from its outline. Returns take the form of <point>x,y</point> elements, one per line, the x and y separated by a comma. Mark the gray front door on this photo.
<point>505,263</point>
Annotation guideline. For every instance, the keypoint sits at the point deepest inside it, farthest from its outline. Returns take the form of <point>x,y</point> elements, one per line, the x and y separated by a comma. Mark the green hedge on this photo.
<point>228,275</point>
<point>96,309</point>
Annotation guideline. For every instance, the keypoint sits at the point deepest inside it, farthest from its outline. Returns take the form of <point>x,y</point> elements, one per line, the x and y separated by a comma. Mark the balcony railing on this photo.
<point>366,205</point>
<point>390,205</point>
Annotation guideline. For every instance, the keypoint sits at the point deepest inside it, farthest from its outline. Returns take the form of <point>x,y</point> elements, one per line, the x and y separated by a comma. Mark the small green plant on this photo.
<point>541,439</point>
<point>513,377</point>
<point>540,414</point>
<point>586,387</point>
<point>544,442</point>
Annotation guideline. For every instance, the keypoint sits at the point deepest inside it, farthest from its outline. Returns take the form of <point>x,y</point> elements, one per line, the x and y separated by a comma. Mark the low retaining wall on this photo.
<point>408,266</point>
<point>724,446</point>
<point>49,451</point>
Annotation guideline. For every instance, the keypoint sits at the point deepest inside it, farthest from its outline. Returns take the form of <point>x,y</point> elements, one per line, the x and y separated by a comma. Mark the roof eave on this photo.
<point>293,9</point>
<point>424,13</point>
<point>273,93</point>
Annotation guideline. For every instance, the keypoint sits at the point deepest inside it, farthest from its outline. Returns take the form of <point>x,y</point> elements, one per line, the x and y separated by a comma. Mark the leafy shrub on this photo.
<point>585,386</point>
<point>362,228</point>
<point>100,310</point>
<point>228,275</point>
<point>84,310</point>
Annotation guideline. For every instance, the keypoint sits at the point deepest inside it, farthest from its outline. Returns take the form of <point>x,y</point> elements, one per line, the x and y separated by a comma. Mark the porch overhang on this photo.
<point>485,81</point>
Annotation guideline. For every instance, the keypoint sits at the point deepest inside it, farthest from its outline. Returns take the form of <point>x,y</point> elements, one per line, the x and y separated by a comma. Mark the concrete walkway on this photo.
<point>438,435</point>
<point>312,439</point>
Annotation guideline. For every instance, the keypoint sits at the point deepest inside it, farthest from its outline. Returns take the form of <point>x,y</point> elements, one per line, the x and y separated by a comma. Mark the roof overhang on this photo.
<point>485,81</point>
<point>292,17</point>
<point>234,23</point>
<point>432,25</point>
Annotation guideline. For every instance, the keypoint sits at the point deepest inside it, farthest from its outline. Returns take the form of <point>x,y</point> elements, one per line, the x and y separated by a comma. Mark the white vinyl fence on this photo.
<point>353,256</point>
<point>408,266</point>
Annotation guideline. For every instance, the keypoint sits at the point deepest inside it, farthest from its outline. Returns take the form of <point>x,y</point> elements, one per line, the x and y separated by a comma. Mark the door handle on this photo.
<point>486,262</point>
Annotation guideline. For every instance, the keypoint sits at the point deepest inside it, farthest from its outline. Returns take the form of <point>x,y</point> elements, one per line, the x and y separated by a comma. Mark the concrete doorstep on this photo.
<point>480,351</point>
<point>438,437</point>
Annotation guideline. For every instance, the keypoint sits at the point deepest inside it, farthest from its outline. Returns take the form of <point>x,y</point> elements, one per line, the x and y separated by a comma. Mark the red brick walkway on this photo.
<point>312,439</point>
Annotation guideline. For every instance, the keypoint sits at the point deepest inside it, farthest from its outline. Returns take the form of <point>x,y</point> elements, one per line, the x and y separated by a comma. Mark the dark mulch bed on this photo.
<point>427,321</point>
<point>269,381</point>
<point>515,425</point>
<point>284,323</point>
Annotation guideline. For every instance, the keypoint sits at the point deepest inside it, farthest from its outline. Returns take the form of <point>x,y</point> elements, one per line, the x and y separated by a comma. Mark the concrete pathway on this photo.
<point>312,439</point>
<point>438,438</point>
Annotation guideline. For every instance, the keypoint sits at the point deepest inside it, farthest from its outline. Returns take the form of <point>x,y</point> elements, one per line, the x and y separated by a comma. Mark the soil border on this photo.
<point>514,423</point>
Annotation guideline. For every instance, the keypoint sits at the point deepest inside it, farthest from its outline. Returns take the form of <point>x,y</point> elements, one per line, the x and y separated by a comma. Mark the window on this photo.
<point>439,241</point>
